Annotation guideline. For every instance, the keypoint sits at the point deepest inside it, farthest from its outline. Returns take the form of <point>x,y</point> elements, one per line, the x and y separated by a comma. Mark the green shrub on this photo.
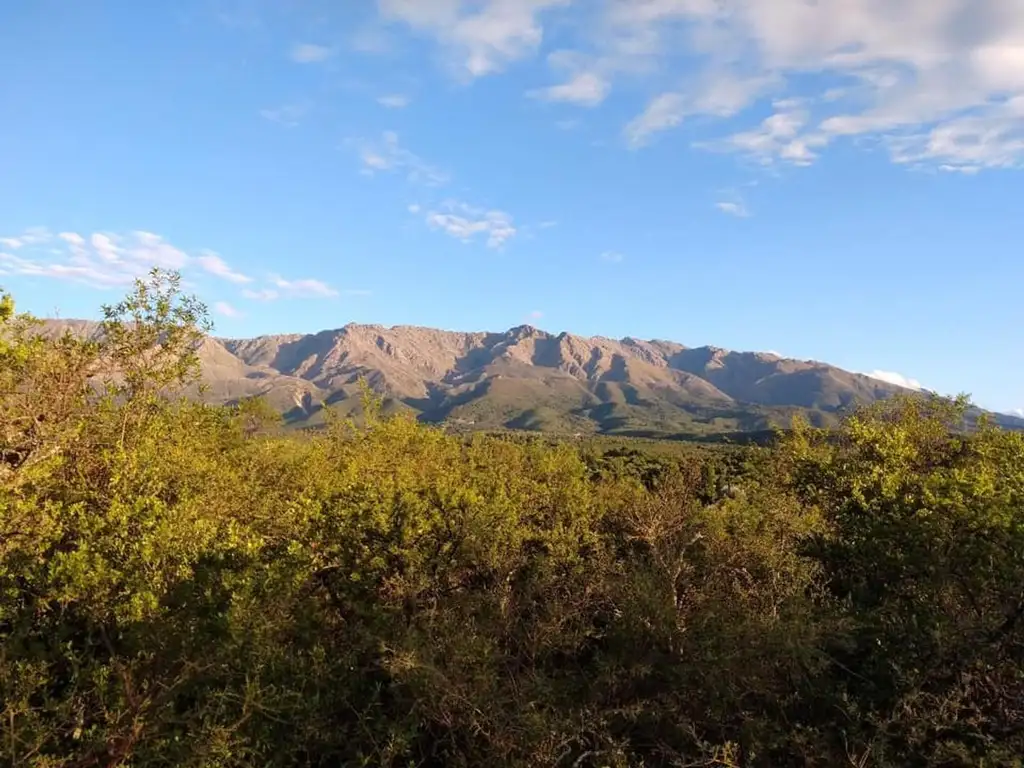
<point>184,585</point>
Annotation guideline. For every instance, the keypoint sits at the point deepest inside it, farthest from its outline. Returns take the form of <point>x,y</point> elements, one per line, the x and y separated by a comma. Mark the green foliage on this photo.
<point>188,585</point>
<point>6,308</point>
<point>925,552</point>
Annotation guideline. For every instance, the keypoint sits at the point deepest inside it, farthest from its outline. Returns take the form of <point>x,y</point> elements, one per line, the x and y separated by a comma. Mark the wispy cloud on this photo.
<point>536,314</point>
<point>307,288</point>
<point>310,53</point>
<point>215,265</point>
<point>466,223</point>
<point>291,289</point>
<point>31,236</point>
<point>394,101</point>
<point>779,137</point>
<point>612,257</point>
<point>663,112</point>
<point>912,76</point>
<point>583,86</point>
<point>732,200</point>
<point>737,209</point>
<point>106,259</point>
<point>261,294</point>
<point>85,273</point>
<point>303,289</point>
<point>891,377</point>
<point>388,155</point>
<point>719,94</point>
<point>149,248</point>
<point>287,114</point>
<point>475,39</point>
<point>930,88</point>
<point>226,309</point>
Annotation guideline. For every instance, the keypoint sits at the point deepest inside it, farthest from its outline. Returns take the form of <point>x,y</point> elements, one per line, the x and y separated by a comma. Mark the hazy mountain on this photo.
<point>526,378</point>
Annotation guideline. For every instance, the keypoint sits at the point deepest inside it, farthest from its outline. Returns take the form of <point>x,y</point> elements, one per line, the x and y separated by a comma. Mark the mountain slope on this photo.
<point>526,378</point>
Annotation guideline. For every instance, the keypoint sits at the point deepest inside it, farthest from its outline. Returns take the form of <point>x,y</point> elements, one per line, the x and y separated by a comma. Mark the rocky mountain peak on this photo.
<point>527,378</point>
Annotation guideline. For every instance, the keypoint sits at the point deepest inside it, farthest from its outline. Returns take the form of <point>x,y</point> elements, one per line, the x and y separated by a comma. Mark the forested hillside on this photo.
<point>185,584</point>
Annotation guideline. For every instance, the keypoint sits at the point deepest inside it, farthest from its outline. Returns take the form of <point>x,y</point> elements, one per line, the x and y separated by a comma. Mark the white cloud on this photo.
<point>778,137</point>
<point>415,208</point>
<point>223,308</point>
<point>936,82</point>
<point>293,289</point>
<point>898,379</point>
<point>731,201</point>
<point>585,88</point>
<point>536,314</point>
<point>105,247</point>
<point>992,138</point>
<point>477,38</point>
<point>107,259</point>
<point>663,112</point>
<point>1017,412</point>
<point>264,294</point>
<point>88,273</point>
<point>215,265</point>
<point>152,250</point>
<point>738,210</point>
<point>465,223</point>
<point>612,257</point>
<point>287,115</point>
<point>718,94</point>
<point>374,161</point>
<point>389,155</point>
<point>310,53</point>
<point>394,101</point>
<point>31,236</point>
<point>303,289</point>
<point>72,238</point>
<point>36,235</point>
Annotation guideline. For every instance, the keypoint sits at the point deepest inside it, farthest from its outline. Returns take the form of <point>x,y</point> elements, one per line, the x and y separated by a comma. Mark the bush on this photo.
<point>184,585</point>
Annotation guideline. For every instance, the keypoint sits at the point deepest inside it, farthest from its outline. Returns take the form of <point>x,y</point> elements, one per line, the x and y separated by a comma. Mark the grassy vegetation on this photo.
<point>187,585</point>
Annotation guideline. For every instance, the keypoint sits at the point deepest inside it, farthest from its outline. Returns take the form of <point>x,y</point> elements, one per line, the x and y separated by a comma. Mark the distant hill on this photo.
<point>525,378</point>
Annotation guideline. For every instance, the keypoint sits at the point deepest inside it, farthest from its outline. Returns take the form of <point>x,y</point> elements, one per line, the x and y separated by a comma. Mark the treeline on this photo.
<point>183,585</point>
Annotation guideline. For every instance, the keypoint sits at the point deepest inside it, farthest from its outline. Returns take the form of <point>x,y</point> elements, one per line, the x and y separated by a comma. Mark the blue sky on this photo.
<point>838,180</point>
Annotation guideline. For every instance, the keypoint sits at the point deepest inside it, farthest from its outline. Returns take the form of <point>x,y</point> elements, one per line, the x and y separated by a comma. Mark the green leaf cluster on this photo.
<point>186,585</point>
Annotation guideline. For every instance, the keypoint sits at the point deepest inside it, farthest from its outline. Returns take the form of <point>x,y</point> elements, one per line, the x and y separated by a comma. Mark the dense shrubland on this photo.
<point>185,585</point>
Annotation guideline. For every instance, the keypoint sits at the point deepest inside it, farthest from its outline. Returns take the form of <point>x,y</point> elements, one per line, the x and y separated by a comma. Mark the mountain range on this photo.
<point>525,378</point>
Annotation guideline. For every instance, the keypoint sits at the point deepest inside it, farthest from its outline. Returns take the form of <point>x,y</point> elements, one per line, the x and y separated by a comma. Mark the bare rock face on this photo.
<point>528,377</point>
<point>497,379</point>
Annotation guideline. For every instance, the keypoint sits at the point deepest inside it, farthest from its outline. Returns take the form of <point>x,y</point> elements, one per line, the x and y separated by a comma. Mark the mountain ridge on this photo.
<point>528,378</point>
